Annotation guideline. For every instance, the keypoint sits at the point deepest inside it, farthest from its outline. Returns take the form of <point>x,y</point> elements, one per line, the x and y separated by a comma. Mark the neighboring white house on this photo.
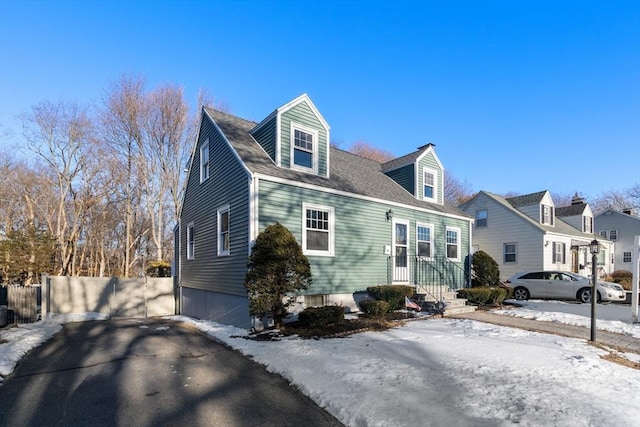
<point>525,233</point>
<point>620,228</point>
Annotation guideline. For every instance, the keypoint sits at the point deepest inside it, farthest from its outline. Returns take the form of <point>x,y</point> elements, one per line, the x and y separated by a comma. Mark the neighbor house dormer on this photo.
<point>296,136</point>
<point>578,214</point>
<point>538,206</point>
<point>420,173</point>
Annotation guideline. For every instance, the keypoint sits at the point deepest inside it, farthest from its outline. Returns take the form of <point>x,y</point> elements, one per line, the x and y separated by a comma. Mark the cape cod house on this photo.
<point>528,232</point>
<point>360,223</point>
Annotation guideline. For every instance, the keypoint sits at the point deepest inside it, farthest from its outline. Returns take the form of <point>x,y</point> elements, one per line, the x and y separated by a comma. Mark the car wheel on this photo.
<point>584,295</point>
<point>521,294</point>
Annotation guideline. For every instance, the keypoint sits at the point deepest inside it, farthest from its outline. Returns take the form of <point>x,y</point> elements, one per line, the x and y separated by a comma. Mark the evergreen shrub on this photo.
<point>374,308</point>
<point>317,317</point>
<point>393,294</point>
<point>485,270</point>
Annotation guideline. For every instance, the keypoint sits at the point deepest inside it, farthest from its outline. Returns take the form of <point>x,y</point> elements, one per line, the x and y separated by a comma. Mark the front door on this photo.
<point>401,251</point>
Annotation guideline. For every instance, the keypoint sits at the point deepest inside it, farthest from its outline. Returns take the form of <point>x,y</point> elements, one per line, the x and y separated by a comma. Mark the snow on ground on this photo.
<point>438,372</point>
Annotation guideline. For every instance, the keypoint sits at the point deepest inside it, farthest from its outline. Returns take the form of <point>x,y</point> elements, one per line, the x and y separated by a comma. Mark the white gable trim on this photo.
<point>224,137</point>
<point>304,98</point>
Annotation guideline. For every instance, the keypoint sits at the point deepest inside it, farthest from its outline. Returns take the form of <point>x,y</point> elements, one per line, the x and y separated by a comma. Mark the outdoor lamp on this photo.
<point>594,248</point>
<point>389,215</point>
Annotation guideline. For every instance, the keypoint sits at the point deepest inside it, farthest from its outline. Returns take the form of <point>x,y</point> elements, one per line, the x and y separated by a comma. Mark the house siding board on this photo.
<point>429,161</point>
<point>266,137</point>
<point>302,114</point>
<point>505,227</point>
<point>405,177</point>
<point>361,232</point>
<point>627,226</point>
<point>227,184</point>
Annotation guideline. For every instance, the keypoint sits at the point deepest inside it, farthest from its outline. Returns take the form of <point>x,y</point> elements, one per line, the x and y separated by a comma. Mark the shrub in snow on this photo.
<point>316,317</point>
<point>374,308</point>
<point>277,270</point>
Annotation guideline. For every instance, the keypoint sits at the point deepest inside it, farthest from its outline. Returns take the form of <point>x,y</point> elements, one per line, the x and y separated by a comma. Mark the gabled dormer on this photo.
<point>420,173</point>
<point>537,206</point>
<point>296,136</point>
<point>578,214</point>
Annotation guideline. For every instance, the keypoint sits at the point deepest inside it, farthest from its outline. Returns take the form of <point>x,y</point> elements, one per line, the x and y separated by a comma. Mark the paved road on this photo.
<point>150,372</point>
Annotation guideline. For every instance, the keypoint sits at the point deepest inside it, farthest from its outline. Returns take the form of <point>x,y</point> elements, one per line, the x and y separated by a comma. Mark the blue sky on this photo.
<point>518,96</point>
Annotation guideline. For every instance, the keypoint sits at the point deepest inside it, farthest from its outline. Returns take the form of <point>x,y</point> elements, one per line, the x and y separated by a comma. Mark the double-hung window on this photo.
<point>613,234</point>
<point>317,230</point>
<point>453,243</point>
<point>204,161</point>
<point>547,214</point>
<point>429,185</point>
<point>559,253</point>
<point>304,146</point>
<point>604,233</point>
<point>510,252</point>
<point>191,242</point>
<point>424,239</point>
<point>626,256</point>
<point>481,218</point>
<point>587,224</point>
<point>224,242</point>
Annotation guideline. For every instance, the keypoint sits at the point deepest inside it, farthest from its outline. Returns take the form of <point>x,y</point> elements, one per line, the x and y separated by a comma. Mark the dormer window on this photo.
<point>429,191</point>
<point>303,148</point>
<point>587,224</point>
<point>547,215</point>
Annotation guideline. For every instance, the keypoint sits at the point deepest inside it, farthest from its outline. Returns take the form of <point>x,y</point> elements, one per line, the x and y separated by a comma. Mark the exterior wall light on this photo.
<point>389,215</point>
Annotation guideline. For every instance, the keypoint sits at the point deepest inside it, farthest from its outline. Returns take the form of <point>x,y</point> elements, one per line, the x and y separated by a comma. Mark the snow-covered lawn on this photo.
<point>439,372</point>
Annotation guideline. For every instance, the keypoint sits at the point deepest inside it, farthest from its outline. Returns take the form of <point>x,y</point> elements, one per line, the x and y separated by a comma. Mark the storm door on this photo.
<point>401,251</point>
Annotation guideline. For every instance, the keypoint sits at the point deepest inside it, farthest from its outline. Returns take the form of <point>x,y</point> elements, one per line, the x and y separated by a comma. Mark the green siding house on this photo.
<point>361,223</point>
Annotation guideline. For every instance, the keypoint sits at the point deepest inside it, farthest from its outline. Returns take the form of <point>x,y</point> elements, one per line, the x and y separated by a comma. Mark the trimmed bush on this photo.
<point>485,270</point>
<point>318,317</point>
<point>393,294</point>
<point>485,295</point>
<point>374,308</point>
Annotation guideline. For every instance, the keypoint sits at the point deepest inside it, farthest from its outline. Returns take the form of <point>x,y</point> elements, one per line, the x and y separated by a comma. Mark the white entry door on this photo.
<point>401,251</point>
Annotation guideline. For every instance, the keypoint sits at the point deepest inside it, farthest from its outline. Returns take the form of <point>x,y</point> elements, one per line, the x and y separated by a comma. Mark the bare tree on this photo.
<point>365,149</point>
<point>456,191</point>
<point>618,199</point>
<point>60,135</point>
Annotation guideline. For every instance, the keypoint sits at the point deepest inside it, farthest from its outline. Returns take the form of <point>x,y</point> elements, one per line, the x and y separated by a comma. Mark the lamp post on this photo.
<point>594,248</point>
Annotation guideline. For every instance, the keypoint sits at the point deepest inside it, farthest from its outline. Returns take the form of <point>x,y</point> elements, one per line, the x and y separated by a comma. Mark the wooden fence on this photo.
<point>21,302</point>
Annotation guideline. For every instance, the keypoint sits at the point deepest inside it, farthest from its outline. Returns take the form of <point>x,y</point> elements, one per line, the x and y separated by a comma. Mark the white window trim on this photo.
<point>430,227</point>
<point>552,214</point>
<point>563,253</point>
<point>292,144</point>
<point>191,249</point>
<point>435,184</point>
<point>458,244</point>
<point>331,211</point>
<point>203,149</point>
<point>504,253</point>
<point>626,256</point>
<point>587,224</point>
<point>219,212</point>
<point>615,231</point>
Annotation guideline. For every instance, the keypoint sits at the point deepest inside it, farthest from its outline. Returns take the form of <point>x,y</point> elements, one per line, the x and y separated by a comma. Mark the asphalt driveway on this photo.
<point>147,372</point>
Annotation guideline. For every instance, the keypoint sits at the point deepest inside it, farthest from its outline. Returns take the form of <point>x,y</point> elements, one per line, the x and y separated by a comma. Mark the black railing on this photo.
<point>431,276</point>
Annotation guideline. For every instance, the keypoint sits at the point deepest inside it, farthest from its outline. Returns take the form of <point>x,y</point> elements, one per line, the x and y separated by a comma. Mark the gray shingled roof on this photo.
<point>349,172</point>
<point>526,199</point>
<point>404,160</point>
<point>571,210</point>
